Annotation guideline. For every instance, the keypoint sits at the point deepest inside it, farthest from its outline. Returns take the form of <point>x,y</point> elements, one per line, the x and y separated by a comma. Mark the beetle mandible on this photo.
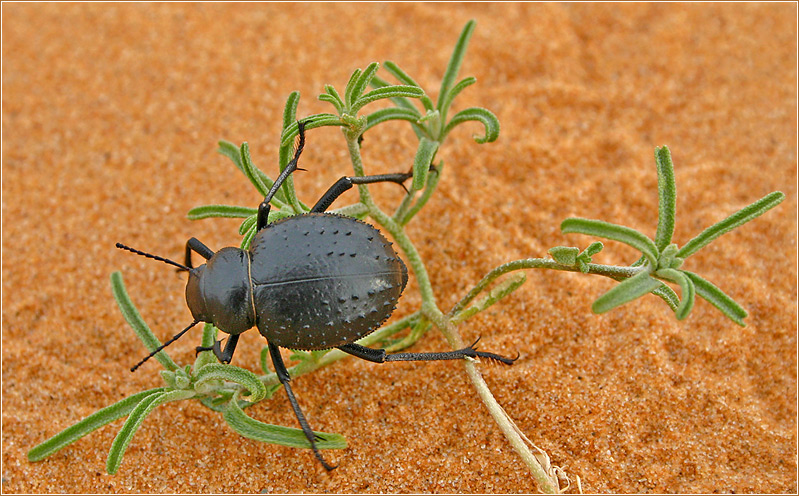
<point>312,281</point>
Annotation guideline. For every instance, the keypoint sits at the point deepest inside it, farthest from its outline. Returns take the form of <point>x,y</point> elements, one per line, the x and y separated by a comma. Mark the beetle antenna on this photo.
<point>174,338</point>
<point>154,257</point>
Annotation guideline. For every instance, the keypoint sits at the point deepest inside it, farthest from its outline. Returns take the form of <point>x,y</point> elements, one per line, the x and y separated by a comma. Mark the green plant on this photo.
<point>230,389</point>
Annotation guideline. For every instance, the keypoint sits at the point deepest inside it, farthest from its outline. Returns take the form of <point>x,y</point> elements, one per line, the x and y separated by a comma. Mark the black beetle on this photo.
<point>309,282</point>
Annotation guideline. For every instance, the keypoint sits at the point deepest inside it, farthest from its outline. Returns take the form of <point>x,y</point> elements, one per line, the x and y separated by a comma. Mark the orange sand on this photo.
<point>111,115</point>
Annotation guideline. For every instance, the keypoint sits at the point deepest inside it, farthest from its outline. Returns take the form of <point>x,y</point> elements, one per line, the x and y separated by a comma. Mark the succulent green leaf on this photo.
<point>453,93</point>
<point>387,92</point>
<point>432,182</point>
<point>348,90</point>
<point>218,371</point>
<point>183,378</point>
<point>454,65</point>
<point>332,96</point>
<point>668,295</point>
<point>687,290</point>
<point>290,109</point>
<point>286,192</point>
<point>615,232</point>
<point>292,130</point>
<point>232,152</point>
<point>363,81</point>
<point>206,357</point>
<point>332,100</point>
<point>398,73</point>
<point>209,335</point>
<point>668,258</point>
<point>406,79</point>
<point>593,248</point>
<point>392,113</point>
<point>89,424</point>
<point>398,101</point>
<point>137,416</point>
<point>251,171</point>
<point>626,291</point>
<point>169,378</point>
<point>331,90</point>
<point>245,242</point>
<point>485,117</point>
<point>321,120</point>
<point>740,217</point>
<point>134,319</point>
<point>207,211</point>
<point>718,298</point>
<point>433,117</point>
<point>421,163</point>
<point>584,258</point>
<point>501,290</point>
<point>248,223</point>
<point>667,197</point>
<point>566,255</point>
<point>275,434</point>
<point>215,403</point>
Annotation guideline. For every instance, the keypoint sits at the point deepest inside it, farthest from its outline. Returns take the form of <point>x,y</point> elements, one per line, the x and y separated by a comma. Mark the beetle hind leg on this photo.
<point>380,355</point>
<point>283,376</point>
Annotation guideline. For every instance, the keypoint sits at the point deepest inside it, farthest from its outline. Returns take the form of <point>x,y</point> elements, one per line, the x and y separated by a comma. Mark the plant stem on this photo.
<point>396,231</point>
<point>508,427</point>
<point>612,271</point>
<point>431,311</point>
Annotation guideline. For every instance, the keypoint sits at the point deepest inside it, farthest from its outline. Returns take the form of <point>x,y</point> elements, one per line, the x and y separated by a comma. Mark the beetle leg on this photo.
<point>380,355</point>
<point>283,376</point>
<point>263,208</point>
<point>223,356</point>
<point>263,215</point>
<point>345,183</point>
<point>195,244</point>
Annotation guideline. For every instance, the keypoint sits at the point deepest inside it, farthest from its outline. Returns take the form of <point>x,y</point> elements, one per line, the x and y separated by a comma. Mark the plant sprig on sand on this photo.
<point>230,389</point>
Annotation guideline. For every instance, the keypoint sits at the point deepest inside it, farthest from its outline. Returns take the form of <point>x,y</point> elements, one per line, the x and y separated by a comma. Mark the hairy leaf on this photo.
<point>135,320</point>
<point>275,434</point>
<point>625,291</point>
<point>89,424</point>
<point>615,232</point>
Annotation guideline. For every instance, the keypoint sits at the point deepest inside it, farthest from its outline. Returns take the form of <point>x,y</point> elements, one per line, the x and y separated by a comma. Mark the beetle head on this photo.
<point>179,266</point>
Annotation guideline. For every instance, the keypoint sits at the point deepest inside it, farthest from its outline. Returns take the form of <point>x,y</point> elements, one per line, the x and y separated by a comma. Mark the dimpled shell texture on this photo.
<point>323,280</point>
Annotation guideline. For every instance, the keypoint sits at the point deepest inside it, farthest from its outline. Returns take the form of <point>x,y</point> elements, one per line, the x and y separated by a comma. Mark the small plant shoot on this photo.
<point>322,281</point>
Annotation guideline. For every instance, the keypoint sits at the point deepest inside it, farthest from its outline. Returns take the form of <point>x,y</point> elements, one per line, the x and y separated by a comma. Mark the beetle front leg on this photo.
<point>284,378</point>
<point>196,245</point>
<point>223,356</point>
